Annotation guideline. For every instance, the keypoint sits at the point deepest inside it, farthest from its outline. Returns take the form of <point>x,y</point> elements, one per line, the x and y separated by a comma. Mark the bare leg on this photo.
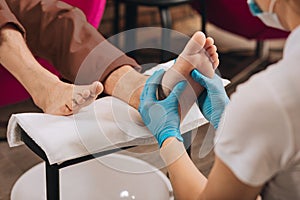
<point>48,92</point>
<point>127,84</point>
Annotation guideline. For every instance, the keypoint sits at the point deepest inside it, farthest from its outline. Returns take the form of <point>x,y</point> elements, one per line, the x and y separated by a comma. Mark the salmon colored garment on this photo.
<point>60,33</point>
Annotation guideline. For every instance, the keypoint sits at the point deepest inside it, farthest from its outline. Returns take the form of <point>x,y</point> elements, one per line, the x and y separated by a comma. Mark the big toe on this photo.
<point>196,43</point>
<point>96,88</point>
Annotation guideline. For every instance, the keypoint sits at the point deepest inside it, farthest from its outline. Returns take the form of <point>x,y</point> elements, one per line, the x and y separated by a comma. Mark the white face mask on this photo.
<point>268,18</point>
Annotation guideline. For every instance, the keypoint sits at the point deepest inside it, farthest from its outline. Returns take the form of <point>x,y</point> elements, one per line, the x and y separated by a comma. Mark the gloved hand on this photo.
<point>214,99</point>
<point>161,117</point>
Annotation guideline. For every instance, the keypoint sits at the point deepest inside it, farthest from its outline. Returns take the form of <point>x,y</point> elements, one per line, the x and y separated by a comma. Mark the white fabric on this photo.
<point>259,135</point>
<point>106,124</point>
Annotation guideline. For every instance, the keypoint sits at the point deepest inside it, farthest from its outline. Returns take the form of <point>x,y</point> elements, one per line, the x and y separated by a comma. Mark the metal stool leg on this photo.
<point>116,22</point>
<point>116,16</point>
<point>166,21</point>
<point>131,22</point>
<point>203,16</point>
<point>52,181</point>
<point>52,171</point>
<point>187,141</point>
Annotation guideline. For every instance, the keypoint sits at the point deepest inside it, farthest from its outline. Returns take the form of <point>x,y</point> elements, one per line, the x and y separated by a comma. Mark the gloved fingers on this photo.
<point>153,83</point>
<point>218,77</point>
<point>200,78</point>
<point>149,91</point>
<point>210,84</point>
<point>217,82</point>
<point>176,92</point>
<point>202,98</point>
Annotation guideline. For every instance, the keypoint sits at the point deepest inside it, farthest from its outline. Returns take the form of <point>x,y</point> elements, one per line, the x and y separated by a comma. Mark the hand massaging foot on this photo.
<point>200,53</point>
<point>127,84</point>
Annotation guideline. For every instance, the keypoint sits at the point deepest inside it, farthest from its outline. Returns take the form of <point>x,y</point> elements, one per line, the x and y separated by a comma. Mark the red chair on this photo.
<point>234,16</point>
<point>93,9</point>
<point>11,89</point>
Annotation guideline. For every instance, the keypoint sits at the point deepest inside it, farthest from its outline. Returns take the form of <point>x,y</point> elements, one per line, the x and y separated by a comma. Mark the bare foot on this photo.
<point>200,53</point>
<point>61,98</point>
<point>127,84</point>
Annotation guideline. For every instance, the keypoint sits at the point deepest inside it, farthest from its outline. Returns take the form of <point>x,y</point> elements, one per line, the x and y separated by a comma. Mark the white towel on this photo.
<point>106,124</point>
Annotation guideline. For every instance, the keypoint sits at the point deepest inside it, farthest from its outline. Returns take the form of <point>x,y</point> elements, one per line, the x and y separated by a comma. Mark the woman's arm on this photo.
<point>162,119</point>
<point>189,183</point>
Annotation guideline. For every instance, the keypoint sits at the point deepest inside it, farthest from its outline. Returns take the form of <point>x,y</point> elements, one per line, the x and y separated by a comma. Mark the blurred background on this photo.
<point>236,53</point>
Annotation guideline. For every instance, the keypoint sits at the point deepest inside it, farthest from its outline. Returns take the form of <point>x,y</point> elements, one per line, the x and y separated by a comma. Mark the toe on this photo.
<point>195,44</point>
<point>79,99</point>
<point>212,50</point>
<point>199,37</point>
<point>86,93</point>
<point>96,88</point>
<point>214,57</point>
<point>209,42</point>
<point>216,63</point>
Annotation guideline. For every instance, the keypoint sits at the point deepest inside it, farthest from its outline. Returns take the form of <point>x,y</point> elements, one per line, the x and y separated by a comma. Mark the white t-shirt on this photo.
<point>259,134</point>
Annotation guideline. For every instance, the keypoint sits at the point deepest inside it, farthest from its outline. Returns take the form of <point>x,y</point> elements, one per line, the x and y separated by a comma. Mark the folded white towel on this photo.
<point>106,124</point>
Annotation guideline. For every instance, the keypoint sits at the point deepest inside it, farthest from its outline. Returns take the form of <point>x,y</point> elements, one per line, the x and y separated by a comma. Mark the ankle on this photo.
<point>180,71</point>
<point>112,80</point>
<point>41,90</point>
<point>126,84</point>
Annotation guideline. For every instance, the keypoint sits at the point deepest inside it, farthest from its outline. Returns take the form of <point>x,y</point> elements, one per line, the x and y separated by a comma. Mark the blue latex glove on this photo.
<point>161,117</point>
<point>214,99</point>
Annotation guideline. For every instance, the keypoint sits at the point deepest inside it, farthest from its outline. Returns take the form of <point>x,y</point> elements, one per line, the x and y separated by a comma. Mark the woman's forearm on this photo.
<point>187,181</point>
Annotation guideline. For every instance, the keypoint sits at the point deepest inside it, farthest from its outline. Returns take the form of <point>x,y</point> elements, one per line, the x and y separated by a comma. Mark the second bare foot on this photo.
<point>61,98</point>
